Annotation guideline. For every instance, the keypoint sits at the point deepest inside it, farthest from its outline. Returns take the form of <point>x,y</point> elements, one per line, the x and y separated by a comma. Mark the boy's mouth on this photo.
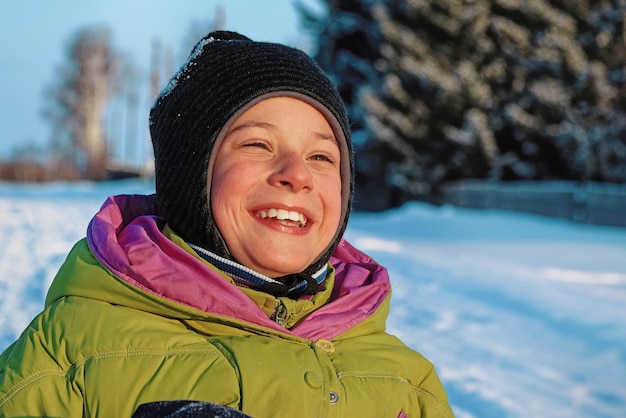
<point>286,217</point>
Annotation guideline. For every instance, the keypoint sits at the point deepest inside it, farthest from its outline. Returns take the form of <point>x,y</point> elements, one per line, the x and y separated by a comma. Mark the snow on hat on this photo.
<point>226,74</point>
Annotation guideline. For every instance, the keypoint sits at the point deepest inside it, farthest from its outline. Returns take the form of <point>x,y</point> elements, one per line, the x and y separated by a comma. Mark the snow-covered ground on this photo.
<point>523,316</point>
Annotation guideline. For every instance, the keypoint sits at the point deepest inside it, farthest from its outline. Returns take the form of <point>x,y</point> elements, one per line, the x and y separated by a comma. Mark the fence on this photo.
<point>592,203</point>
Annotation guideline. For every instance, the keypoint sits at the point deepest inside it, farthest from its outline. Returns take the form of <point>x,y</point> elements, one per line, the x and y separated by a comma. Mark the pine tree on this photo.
<point>504,89</point>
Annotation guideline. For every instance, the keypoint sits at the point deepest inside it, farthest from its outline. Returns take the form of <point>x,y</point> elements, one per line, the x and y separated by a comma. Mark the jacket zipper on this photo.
<point>281,313</point>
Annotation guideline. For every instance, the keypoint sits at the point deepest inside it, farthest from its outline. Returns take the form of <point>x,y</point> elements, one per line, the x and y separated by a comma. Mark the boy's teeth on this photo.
<point>284,215</point>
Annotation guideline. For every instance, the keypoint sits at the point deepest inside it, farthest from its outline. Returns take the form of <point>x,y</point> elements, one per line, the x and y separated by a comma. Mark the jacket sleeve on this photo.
<point>432,397</point>
<point>33,385</point>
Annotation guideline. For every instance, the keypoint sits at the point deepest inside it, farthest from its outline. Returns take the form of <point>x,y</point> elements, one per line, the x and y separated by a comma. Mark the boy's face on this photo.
<point>276,187</point>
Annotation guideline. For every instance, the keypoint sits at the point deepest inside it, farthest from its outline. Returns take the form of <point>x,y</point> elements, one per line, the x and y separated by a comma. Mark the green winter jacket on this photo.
<point>134,316</point>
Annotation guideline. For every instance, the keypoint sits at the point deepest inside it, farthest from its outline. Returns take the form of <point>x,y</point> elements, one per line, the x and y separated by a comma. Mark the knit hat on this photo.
<point>226,74</point>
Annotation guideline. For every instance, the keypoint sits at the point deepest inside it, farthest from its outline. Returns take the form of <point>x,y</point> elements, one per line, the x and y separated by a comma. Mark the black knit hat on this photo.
<point>226,74</point>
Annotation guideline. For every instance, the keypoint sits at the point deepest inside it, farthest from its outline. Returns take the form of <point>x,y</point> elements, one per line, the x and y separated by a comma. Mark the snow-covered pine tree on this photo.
<point>453,89</point>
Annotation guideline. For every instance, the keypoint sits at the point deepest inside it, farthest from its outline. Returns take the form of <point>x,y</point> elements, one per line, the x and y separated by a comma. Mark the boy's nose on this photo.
<point>291,171</point>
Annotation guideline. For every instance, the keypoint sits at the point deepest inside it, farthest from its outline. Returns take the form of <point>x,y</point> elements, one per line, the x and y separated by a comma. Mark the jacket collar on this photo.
<point>127,237</point>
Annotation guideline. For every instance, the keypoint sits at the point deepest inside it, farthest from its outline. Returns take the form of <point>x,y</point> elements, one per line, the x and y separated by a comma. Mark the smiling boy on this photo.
<point>233,284</point>
<point>276,186</point>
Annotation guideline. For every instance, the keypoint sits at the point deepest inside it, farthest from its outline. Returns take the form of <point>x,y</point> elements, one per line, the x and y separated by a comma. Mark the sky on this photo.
<point>522,316</point>
<point>35,33</point>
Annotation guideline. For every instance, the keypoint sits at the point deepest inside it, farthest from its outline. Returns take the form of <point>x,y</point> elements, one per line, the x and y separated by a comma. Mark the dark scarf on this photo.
<point>295,286</point>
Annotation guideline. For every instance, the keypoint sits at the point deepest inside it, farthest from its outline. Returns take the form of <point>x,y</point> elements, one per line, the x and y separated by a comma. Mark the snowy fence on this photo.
<point>592,203</point>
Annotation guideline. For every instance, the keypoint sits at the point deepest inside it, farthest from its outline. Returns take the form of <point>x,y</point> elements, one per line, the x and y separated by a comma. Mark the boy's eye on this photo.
<point>322,157</point>
<point>260,145</point>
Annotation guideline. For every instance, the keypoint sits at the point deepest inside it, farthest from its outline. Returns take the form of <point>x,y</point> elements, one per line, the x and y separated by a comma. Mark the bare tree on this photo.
<point>78,98</point>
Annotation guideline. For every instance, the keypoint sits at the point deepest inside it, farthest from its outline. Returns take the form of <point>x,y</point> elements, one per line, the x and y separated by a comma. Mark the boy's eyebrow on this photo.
<point>252,124</point>
<point>270,126</point>
<point>327,137</point>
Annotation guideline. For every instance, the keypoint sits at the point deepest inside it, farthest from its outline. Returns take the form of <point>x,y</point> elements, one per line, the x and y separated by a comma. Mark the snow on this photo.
<point>522,315</point>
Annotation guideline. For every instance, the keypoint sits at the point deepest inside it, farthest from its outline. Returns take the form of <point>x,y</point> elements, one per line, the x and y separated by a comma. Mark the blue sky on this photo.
<point>34,34</point>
